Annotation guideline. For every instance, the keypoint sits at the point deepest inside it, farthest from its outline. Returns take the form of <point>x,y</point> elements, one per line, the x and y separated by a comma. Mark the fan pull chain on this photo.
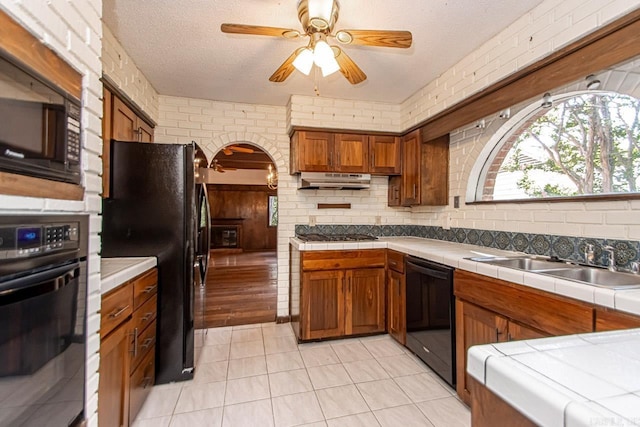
<point>316,81</point>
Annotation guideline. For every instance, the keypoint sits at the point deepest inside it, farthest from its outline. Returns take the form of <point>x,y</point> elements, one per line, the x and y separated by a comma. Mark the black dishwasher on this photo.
<point>431,315</point>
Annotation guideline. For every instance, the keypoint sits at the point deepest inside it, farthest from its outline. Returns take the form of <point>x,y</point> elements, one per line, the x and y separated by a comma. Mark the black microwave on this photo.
<point>39,126</point>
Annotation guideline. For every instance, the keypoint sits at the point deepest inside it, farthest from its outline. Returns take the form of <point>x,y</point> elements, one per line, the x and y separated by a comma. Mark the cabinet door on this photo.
<point>125,122</point>
<point>394,191</point>
<point>365,301</point>
<point>519,332</point>
<point>434,175</point>
<point>322,295</point>
<point>410,190</point>
<point>145,132</point>
<point>315,151</point>
<point>351,153</point>
<point>107,126</point>
<point>113,389</point>
<point>396,317</point>
<point>474,326</point>
<point>384,155</point>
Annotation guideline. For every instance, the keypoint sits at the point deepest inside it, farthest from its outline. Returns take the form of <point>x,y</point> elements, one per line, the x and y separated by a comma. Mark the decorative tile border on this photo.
<point>564,247</point>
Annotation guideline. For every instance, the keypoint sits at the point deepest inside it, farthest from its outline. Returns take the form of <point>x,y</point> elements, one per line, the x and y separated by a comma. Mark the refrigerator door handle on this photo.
<point>207,239</point>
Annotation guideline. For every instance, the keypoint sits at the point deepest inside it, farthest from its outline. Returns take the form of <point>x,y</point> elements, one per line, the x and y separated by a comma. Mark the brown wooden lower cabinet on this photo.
<point>113,389</point>
<point>608,319</point>
<point>490,310</point>
<point>342,293</point>
<point>396,295</point>
<point>127,349</point>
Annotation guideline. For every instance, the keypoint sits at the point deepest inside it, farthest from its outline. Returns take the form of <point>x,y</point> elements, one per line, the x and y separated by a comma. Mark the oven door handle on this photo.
<point>428,271</point>
<point>33,280</point>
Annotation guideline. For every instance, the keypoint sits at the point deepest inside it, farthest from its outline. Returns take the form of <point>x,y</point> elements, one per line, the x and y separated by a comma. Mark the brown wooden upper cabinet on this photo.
<point>315,151</point>
<point>119,121</point>
<point>425,172</point>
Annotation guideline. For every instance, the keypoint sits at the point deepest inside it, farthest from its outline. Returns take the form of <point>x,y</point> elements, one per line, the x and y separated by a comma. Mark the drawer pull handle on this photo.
<point>145,345</point>
<point>149,289</point>
<point>118,312</point>
<point>147,316</point>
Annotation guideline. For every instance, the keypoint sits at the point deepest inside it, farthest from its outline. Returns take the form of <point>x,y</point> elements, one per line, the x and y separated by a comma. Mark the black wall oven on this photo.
<point>43,294</point>
<point>39,126</point>
<point>430,310</point>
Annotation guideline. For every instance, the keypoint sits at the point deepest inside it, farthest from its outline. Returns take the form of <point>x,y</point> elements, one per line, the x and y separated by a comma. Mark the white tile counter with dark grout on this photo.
<point>456,254</point>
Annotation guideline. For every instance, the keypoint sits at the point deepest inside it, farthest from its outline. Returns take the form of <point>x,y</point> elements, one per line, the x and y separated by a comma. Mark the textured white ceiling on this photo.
<point>178,45</point>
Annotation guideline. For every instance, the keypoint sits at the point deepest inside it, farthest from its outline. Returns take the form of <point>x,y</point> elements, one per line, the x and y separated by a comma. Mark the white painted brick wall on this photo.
<point>314,111</point>
<point>215,124</point>
<point>548,27</point>
<point>73,29</point>
<point>120,67</point>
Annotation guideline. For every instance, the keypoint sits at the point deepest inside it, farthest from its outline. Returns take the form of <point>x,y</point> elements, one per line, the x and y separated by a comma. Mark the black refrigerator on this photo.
<point>156,208</point>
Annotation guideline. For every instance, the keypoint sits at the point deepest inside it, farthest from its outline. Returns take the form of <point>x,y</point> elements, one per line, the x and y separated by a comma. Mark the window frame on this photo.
<point>480,169</point>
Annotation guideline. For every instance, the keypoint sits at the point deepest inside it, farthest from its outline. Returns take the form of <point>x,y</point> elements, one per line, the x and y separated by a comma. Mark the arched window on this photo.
<point>585,143</point>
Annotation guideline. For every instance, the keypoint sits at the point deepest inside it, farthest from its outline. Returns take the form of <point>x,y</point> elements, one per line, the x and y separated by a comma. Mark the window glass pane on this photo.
<point>585,144</point>
<point>273,211</point>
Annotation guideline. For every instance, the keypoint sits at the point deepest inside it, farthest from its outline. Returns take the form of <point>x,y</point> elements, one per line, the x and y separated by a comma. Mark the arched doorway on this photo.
<point>241,286</point>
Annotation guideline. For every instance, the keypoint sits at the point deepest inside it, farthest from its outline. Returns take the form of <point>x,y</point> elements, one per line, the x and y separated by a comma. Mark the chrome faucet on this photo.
<point>612,257</point>
<point>589,254</point>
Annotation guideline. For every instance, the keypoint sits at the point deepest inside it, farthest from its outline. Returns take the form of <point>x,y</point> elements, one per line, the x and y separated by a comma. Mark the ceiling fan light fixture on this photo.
<point>320,13</point>
<point>330,68</point>
<point>304,61</point>
<point>322,54</point>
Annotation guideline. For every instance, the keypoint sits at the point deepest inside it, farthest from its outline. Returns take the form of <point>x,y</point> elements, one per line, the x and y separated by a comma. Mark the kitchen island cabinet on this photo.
<point>127,344</point>
<point>342,293</point>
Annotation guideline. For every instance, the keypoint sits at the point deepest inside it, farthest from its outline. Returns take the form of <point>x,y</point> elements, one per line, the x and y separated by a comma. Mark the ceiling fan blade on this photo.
<point>260,30</point>
<point>241,149</point>
<point>399,39</point>
<point>348,68</point>
<point>227,151</point>
<point>285,69</point>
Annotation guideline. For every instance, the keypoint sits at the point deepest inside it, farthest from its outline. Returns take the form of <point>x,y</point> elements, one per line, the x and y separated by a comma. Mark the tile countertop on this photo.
<point>454,254</point>
<point>116,271</point>
<point>574,380</point>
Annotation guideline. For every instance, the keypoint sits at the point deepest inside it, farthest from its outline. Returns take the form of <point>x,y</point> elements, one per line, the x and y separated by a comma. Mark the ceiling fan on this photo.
<point>318,18</point>
<point>217,167</point>
<point>237,149</point>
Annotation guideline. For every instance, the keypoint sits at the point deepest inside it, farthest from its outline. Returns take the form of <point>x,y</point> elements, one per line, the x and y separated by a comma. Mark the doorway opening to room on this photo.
<point>241,285</point>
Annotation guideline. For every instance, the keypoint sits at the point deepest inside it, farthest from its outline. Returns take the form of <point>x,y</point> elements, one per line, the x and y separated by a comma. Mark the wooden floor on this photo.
<point>241,289</point>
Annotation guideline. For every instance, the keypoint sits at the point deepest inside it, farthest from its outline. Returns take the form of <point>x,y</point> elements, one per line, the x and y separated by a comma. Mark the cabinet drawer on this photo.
<point>144,286</point>
<point>141,343</point>
<point>395,261</point>
<point>337,260</point>
<point>146,314</point>
<point>140,384</point>
<point>117,306</point>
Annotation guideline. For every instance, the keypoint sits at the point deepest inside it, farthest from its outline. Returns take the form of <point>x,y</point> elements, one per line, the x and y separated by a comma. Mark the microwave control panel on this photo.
<point>73,133</point>
<point>19,241</point>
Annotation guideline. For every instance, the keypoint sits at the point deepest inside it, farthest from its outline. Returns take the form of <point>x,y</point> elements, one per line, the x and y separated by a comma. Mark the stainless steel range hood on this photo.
<point>334,181</point>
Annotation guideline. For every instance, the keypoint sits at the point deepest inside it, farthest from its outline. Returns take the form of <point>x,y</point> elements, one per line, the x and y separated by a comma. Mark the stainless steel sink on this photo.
<point>524,263</point>
<point>597,277</point>
<point>563,270</point>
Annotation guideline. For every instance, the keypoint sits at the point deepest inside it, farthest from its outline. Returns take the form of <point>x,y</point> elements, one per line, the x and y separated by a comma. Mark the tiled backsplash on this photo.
<point>564,247</point>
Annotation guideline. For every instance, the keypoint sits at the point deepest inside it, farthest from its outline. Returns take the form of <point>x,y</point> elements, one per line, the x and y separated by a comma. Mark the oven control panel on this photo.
<point>18,241</point>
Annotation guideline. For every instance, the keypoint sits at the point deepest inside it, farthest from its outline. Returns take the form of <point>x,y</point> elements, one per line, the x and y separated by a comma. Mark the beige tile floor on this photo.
<point>257,375</point>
